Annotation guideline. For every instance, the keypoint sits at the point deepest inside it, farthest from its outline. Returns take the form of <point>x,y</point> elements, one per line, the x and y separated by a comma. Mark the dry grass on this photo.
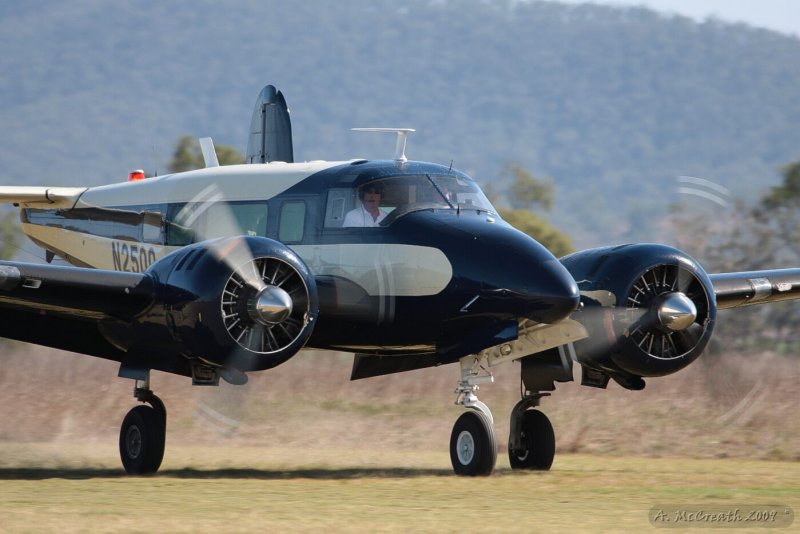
<point>245,489</point>
<point>301,448</point>
<point>741,406</point>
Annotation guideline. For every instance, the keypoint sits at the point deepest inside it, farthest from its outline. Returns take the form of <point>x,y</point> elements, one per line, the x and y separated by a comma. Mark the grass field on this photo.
<point>246,489</point>
<point>300,449</point>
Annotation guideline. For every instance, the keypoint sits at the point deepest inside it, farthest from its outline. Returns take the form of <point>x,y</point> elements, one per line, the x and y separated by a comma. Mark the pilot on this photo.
<point>369,213</point>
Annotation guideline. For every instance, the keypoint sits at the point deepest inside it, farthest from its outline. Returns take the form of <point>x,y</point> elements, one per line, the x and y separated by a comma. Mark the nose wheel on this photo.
<point>473,442</point>
<point>473,445</point>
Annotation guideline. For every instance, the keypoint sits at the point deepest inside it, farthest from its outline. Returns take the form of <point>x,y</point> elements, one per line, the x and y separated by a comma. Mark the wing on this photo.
<point>733,290</point>
<point>70,308</point>
<point>40,197</point>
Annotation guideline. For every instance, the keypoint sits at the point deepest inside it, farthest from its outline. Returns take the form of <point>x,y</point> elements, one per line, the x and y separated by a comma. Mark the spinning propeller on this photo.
<point>648,309</point>
<point>265,303</point>
<point>666,303</point>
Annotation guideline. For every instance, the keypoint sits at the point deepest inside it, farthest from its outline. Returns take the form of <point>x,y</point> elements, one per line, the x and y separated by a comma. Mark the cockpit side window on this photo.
<point>340,201</point>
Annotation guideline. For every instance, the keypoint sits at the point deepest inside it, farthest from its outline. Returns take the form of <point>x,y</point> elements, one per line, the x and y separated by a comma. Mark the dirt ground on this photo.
<point>737,405</point>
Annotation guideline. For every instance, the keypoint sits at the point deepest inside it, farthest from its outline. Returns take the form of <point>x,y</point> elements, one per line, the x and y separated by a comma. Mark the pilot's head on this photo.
<point>370,194</point>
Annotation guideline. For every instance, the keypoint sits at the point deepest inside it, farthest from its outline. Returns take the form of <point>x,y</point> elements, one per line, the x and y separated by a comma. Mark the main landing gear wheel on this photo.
<point>538,443</point>
<point>141,440</point>
<point>473,445</point>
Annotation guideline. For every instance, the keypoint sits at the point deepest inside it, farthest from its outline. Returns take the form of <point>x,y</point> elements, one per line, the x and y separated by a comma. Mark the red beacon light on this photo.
<point>135,176</point>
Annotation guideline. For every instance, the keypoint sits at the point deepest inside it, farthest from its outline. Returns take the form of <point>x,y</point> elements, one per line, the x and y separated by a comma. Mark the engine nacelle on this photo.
<point>243,303</point>
<point>649,309</point>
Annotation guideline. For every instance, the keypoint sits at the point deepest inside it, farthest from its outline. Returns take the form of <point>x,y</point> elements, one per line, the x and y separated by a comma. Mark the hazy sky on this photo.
<point>779,15</point>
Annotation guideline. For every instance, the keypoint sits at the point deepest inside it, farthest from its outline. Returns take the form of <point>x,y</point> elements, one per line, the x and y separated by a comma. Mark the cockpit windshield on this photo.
<point>461,193</point>
<point>380,202</point>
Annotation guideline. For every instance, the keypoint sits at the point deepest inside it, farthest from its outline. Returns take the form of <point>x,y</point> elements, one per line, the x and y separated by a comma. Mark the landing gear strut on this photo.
<point>142,436</point>
<point>532,442</point>
<point>473,443</point>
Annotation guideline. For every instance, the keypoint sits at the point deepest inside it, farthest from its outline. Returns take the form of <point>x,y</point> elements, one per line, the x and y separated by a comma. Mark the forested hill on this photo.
<point>613,103</point>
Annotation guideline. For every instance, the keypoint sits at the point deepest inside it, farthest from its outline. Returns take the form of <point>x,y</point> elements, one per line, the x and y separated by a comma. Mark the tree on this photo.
<point>776,229</point>
<point>764,236</point>
<point>528,222</point>
<point>188,156</point>
<point>527,190</point>
<point>777,223</point>
<point>525,193</point>
<point>786,193</point>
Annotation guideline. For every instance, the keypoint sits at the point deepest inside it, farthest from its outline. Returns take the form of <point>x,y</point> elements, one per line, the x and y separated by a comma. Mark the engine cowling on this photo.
<point>649,309</point>
<point>243,303</point>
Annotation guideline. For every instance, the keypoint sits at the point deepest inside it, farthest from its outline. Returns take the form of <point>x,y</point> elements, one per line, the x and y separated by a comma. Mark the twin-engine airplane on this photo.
<point>217,272</point>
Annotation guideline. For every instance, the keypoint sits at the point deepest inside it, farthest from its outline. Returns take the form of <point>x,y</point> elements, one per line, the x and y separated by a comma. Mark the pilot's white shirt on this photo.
<point>361,217</point>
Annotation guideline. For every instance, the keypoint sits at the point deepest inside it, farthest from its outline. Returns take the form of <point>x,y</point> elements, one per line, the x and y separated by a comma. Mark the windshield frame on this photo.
<point>403,193</point>
<point>461,193</point>
<point>410,193</point>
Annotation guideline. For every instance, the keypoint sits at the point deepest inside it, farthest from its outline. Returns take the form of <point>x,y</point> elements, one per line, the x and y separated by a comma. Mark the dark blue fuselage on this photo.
<point>499,276</point>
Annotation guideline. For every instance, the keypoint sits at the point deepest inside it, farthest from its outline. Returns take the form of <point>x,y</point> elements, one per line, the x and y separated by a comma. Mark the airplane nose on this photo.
<point>553,294</point>
<point>530,282</point>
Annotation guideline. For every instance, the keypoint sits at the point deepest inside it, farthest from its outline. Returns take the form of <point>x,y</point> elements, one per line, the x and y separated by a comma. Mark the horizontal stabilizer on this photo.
<point>270,136</point>
<point>41,197</point>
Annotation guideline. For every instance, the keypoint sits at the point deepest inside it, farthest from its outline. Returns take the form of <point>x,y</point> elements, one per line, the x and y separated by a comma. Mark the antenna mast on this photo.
<point>402,134</point>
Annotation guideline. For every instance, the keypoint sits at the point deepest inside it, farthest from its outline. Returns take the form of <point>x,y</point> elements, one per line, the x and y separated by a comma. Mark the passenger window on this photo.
<point>292,221</point>
<point>190,223</point>
<point>222,220</point>
<point>251,218</point>
<point>179,219</point>
<point>152,224</point>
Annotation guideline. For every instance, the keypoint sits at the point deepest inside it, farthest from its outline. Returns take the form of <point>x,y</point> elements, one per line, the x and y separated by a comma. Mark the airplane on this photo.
<point>222,271</point>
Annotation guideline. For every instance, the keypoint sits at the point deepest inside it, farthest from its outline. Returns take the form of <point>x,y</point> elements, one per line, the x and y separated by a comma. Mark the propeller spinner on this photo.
<point>267,308</point>
<point>671,324</point>
<point>270,306</point>
<point>676,311</point>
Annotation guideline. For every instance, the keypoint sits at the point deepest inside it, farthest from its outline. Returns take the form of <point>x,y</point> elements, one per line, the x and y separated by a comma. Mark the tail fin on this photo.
<point>270,129</point>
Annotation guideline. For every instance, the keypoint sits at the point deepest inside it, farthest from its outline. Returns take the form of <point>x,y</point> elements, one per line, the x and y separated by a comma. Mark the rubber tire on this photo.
<point>144,429</point>
<point>539,441</point>
<point>475,426</point>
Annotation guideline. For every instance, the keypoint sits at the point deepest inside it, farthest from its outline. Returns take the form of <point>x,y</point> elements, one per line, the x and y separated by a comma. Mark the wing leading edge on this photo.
<point>73,291</point>
<point>70,308</point>
<point>39,197</point>
<point>734,290</point>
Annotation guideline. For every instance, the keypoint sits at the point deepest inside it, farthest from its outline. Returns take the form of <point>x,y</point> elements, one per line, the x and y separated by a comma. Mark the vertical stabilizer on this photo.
<point>270,129</point>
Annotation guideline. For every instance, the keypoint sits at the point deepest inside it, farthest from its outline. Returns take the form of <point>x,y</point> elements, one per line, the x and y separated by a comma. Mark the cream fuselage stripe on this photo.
<point>381,269</point>
<point>99,252</point>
